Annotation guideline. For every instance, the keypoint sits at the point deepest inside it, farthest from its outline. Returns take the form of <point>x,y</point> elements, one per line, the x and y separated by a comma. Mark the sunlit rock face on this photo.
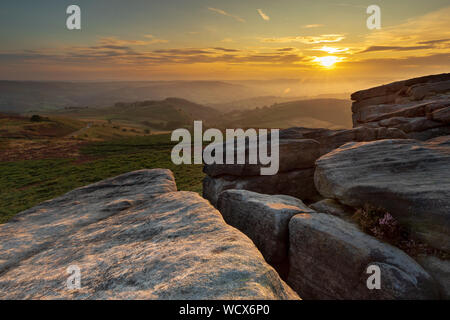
<point>408,178</point>
<point>420,107</point>
<point>132,237</point>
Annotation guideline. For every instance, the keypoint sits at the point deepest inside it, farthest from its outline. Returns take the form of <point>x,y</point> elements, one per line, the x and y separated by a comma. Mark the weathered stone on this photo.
<point>408,125</point>
<point>263,218</point>
<point>390,98</point>
<point>334,208</point>
<point>411,106</point>
<point>441,115</point>
<point>329,259</point>
<point>133,237</point>
<point>297,183</point>
<point>420,91</point>
<point>294,154</point>
<point>430,133</point>
<point>440,271</point>
<point>397,86</point>
<point>408,111</point>
<point>408,178</point>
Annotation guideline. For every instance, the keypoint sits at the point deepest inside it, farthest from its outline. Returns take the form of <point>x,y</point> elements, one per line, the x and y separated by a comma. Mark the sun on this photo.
<point>328,61</point>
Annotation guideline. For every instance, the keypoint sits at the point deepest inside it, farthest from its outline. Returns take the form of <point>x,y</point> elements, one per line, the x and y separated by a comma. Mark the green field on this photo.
<point>24,184</point>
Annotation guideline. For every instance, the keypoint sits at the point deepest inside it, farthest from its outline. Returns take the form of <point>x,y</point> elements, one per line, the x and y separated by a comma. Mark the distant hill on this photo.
<point>170,113</point>
<point>251,103</point>
<point>27,96</point>
<point>315,113</point>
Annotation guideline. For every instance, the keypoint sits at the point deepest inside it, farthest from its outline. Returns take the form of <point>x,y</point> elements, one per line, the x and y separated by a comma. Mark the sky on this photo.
<point>322,40</point>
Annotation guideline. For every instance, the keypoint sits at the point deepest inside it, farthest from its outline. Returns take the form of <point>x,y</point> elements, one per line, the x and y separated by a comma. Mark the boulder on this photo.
<point>264,219</point>
<point>132,237</point>
<point>408,178</point>
<point>294,154</point>
<point>297,183</point>
<point>329,259</point>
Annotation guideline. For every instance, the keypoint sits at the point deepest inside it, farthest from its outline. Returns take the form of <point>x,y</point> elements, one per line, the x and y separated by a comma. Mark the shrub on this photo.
<point>382,225</point>
<point>36,118</point>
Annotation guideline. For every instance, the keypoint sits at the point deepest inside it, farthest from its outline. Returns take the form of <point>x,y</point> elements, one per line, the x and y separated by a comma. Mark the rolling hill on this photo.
<point>315,113</point>
<point>167,114</point>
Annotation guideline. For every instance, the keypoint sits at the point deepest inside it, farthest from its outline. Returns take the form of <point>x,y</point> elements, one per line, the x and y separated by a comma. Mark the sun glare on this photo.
<point>332,50</point>
<point>328,61</point>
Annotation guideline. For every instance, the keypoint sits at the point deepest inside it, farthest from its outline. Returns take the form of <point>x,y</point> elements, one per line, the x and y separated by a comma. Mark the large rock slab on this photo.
<point>299,148</point>
<point>329,259</point>
<point>297,183</point>
<point>264,219</point>
<point>408,178</point>
<point>133,237</point>
<point>293,154</point>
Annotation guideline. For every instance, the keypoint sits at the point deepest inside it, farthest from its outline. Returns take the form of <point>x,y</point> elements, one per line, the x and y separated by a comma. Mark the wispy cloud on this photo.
<point>434,41</point>
<point>225,49</point>
<point>325,38</point>
<point>263,15</point>
<point>224,13</point>
<point>121,42</point>
<point>396,48</point>
<point>309,26</point>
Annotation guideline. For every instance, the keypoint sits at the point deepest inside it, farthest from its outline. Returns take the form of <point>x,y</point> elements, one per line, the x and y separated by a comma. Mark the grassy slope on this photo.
<point>25,184</point>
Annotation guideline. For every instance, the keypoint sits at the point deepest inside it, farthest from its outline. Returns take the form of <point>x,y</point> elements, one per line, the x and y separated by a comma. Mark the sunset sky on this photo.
<point>224,40</point>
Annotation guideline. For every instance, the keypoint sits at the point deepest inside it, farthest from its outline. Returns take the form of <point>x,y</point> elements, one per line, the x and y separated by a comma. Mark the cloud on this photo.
<point>263,15</point>
<point>410,62</point>
<point>224,13</point>
<point>434,41</point>
<point>325,38</point>
<point>285,49</point>
<point>225,49</point>
<point>120,42</point>
<point>110,56</point>
<point>309,26</point>
<point>396,48</point>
